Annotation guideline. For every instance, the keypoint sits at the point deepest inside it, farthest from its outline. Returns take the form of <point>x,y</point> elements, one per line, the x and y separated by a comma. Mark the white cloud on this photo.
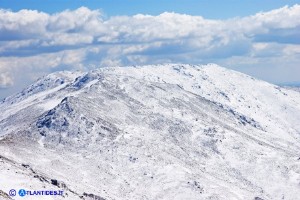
<point>86,27</point>
<point>5,80</point>
<point>35,42</point>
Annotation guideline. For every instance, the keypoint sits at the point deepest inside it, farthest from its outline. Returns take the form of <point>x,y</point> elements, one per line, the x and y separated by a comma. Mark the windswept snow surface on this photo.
<point>152,132</point>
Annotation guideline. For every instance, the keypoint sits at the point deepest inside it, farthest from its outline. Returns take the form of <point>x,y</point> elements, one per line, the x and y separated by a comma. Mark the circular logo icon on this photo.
<point>22,192</point>
<point>12,192</point>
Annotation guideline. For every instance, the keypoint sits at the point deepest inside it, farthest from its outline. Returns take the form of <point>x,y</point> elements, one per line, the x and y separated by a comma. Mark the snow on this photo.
<point>48,105</point>
<point>154,132</point>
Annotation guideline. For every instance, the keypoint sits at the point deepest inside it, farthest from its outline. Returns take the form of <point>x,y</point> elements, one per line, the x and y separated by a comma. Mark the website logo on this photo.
<point>22,192</point>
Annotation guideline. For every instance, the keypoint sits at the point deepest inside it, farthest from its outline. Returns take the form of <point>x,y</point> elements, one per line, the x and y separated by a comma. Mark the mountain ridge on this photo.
<point>158,126</point>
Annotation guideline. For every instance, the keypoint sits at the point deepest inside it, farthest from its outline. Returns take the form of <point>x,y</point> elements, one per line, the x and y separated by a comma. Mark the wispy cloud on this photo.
<point>34,42</point>
<point>5,80</point>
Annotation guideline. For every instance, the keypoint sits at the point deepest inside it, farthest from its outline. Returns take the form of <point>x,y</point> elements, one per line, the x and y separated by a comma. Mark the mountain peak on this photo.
<point>156,132</point>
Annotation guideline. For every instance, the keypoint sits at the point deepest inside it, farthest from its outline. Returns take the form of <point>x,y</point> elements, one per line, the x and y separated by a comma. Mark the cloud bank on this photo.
<point>266,45</point>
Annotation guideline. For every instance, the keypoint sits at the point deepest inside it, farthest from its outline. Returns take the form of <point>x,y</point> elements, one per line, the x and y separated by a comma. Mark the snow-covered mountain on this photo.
<point>295,88</point>
<point>153,132</point>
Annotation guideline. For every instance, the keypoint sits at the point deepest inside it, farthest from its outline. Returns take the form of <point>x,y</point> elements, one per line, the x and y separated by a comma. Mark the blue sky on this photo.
<point>260,38</point>
<point>213,9</point>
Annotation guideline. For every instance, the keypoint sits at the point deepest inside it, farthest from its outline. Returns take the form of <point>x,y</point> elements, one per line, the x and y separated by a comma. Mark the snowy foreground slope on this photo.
<point>153,132</point>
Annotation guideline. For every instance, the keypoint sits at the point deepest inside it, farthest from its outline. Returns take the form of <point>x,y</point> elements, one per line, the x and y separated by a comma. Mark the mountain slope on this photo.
<point>155,132</point>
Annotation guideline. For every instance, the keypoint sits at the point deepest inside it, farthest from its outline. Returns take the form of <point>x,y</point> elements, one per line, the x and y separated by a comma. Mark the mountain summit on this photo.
<point>152,132</point>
